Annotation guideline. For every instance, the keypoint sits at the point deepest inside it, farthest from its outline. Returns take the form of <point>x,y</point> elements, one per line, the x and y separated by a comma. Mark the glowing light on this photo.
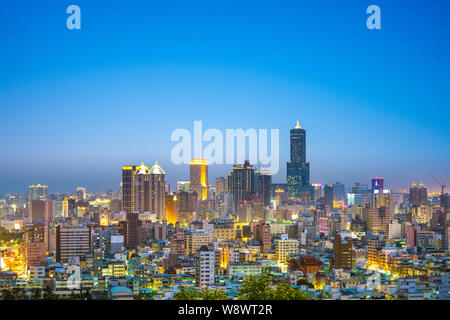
<point>156,169</point>
<point>199,161</point>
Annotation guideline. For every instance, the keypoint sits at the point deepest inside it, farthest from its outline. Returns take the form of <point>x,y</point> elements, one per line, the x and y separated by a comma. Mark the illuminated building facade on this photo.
<point>199,177</point>
<point>285,247</point>
<point>171,209</point>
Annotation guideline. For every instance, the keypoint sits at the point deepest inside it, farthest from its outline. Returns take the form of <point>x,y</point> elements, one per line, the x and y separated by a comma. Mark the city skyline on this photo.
<point>245,156</point>
<point>225,169</point>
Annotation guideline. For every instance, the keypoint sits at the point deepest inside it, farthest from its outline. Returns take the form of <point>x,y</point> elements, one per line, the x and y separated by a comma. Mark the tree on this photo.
<point>284,291</point>
<point>255,288</point>
<point>258,288</point>
<point>48,294</point>
<point>301,282</point>
<point>36,293</point>
<point>19,293</point>
<point>188,293</point>
<point>7,295</point>
<point>213,294</point>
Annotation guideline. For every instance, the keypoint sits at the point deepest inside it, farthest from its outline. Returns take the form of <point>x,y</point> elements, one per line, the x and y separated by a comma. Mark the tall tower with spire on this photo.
<point>297,167</point>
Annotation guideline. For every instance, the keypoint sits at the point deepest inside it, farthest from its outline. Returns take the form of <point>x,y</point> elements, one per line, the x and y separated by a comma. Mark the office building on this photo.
<point>242,183</point>
<point>297,167</point>
<point>72,242</point>
<point>418,195</point>
<point>205,266</point>
<point>199,178</point>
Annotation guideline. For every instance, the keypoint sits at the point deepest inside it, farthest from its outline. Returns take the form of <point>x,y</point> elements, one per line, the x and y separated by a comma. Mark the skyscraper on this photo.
<point>263,235</point>
<point>157,188</point>
<point>418,195</point>
<point>298,168</point>
<point>199,177</point>
<point>264,184</point>
<point>128,188</point>
<point>220,185</point>
<point>41,211</point>
<point>171,209</point>
<point>377,184</point>
<point>329,195</point>
<point>81,194</point>
<point>342,253</point>
<point>132,229</point>
<point>143,189</point>
<point>241,183</point>
<point>34,244</point>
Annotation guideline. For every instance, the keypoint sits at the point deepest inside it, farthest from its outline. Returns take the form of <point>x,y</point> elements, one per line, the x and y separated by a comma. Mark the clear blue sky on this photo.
<point>76,105</point>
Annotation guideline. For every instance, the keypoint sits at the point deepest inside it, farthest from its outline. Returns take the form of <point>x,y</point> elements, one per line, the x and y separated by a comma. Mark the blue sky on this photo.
<point>76,105</point>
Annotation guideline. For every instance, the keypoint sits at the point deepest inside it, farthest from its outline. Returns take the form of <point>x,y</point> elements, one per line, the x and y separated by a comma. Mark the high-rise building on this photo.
<point>157,189</point>
<point>418,195</point>
<point>128,188</point>
<point>72,242</point>
<point>342,253</point>
<point>171,209</point>
<point>377,184</point>
<point>196,239</point>
<point>65,208</point>
<point>224,204</point>
<point>205,266</point>
<point>132,230</point>
<point>199,177</point>
<point>81,194</point>
<point>298,168</point>
<point>329,195</point>
<point>41,211</point>
<point>285,247</point>
<point>339,191</point>
<point>221,185</point>
<point>143,189</point>
<point>241,183</point>
<point>264,185</point>
<point>34,245</point>
<point>263,235</point>
<point>37,192</point>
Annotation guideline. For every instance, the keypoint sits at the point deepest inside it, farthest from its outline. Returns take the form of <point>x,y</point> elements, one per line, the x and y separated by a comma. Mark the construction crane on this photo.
<point>440,184</point>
